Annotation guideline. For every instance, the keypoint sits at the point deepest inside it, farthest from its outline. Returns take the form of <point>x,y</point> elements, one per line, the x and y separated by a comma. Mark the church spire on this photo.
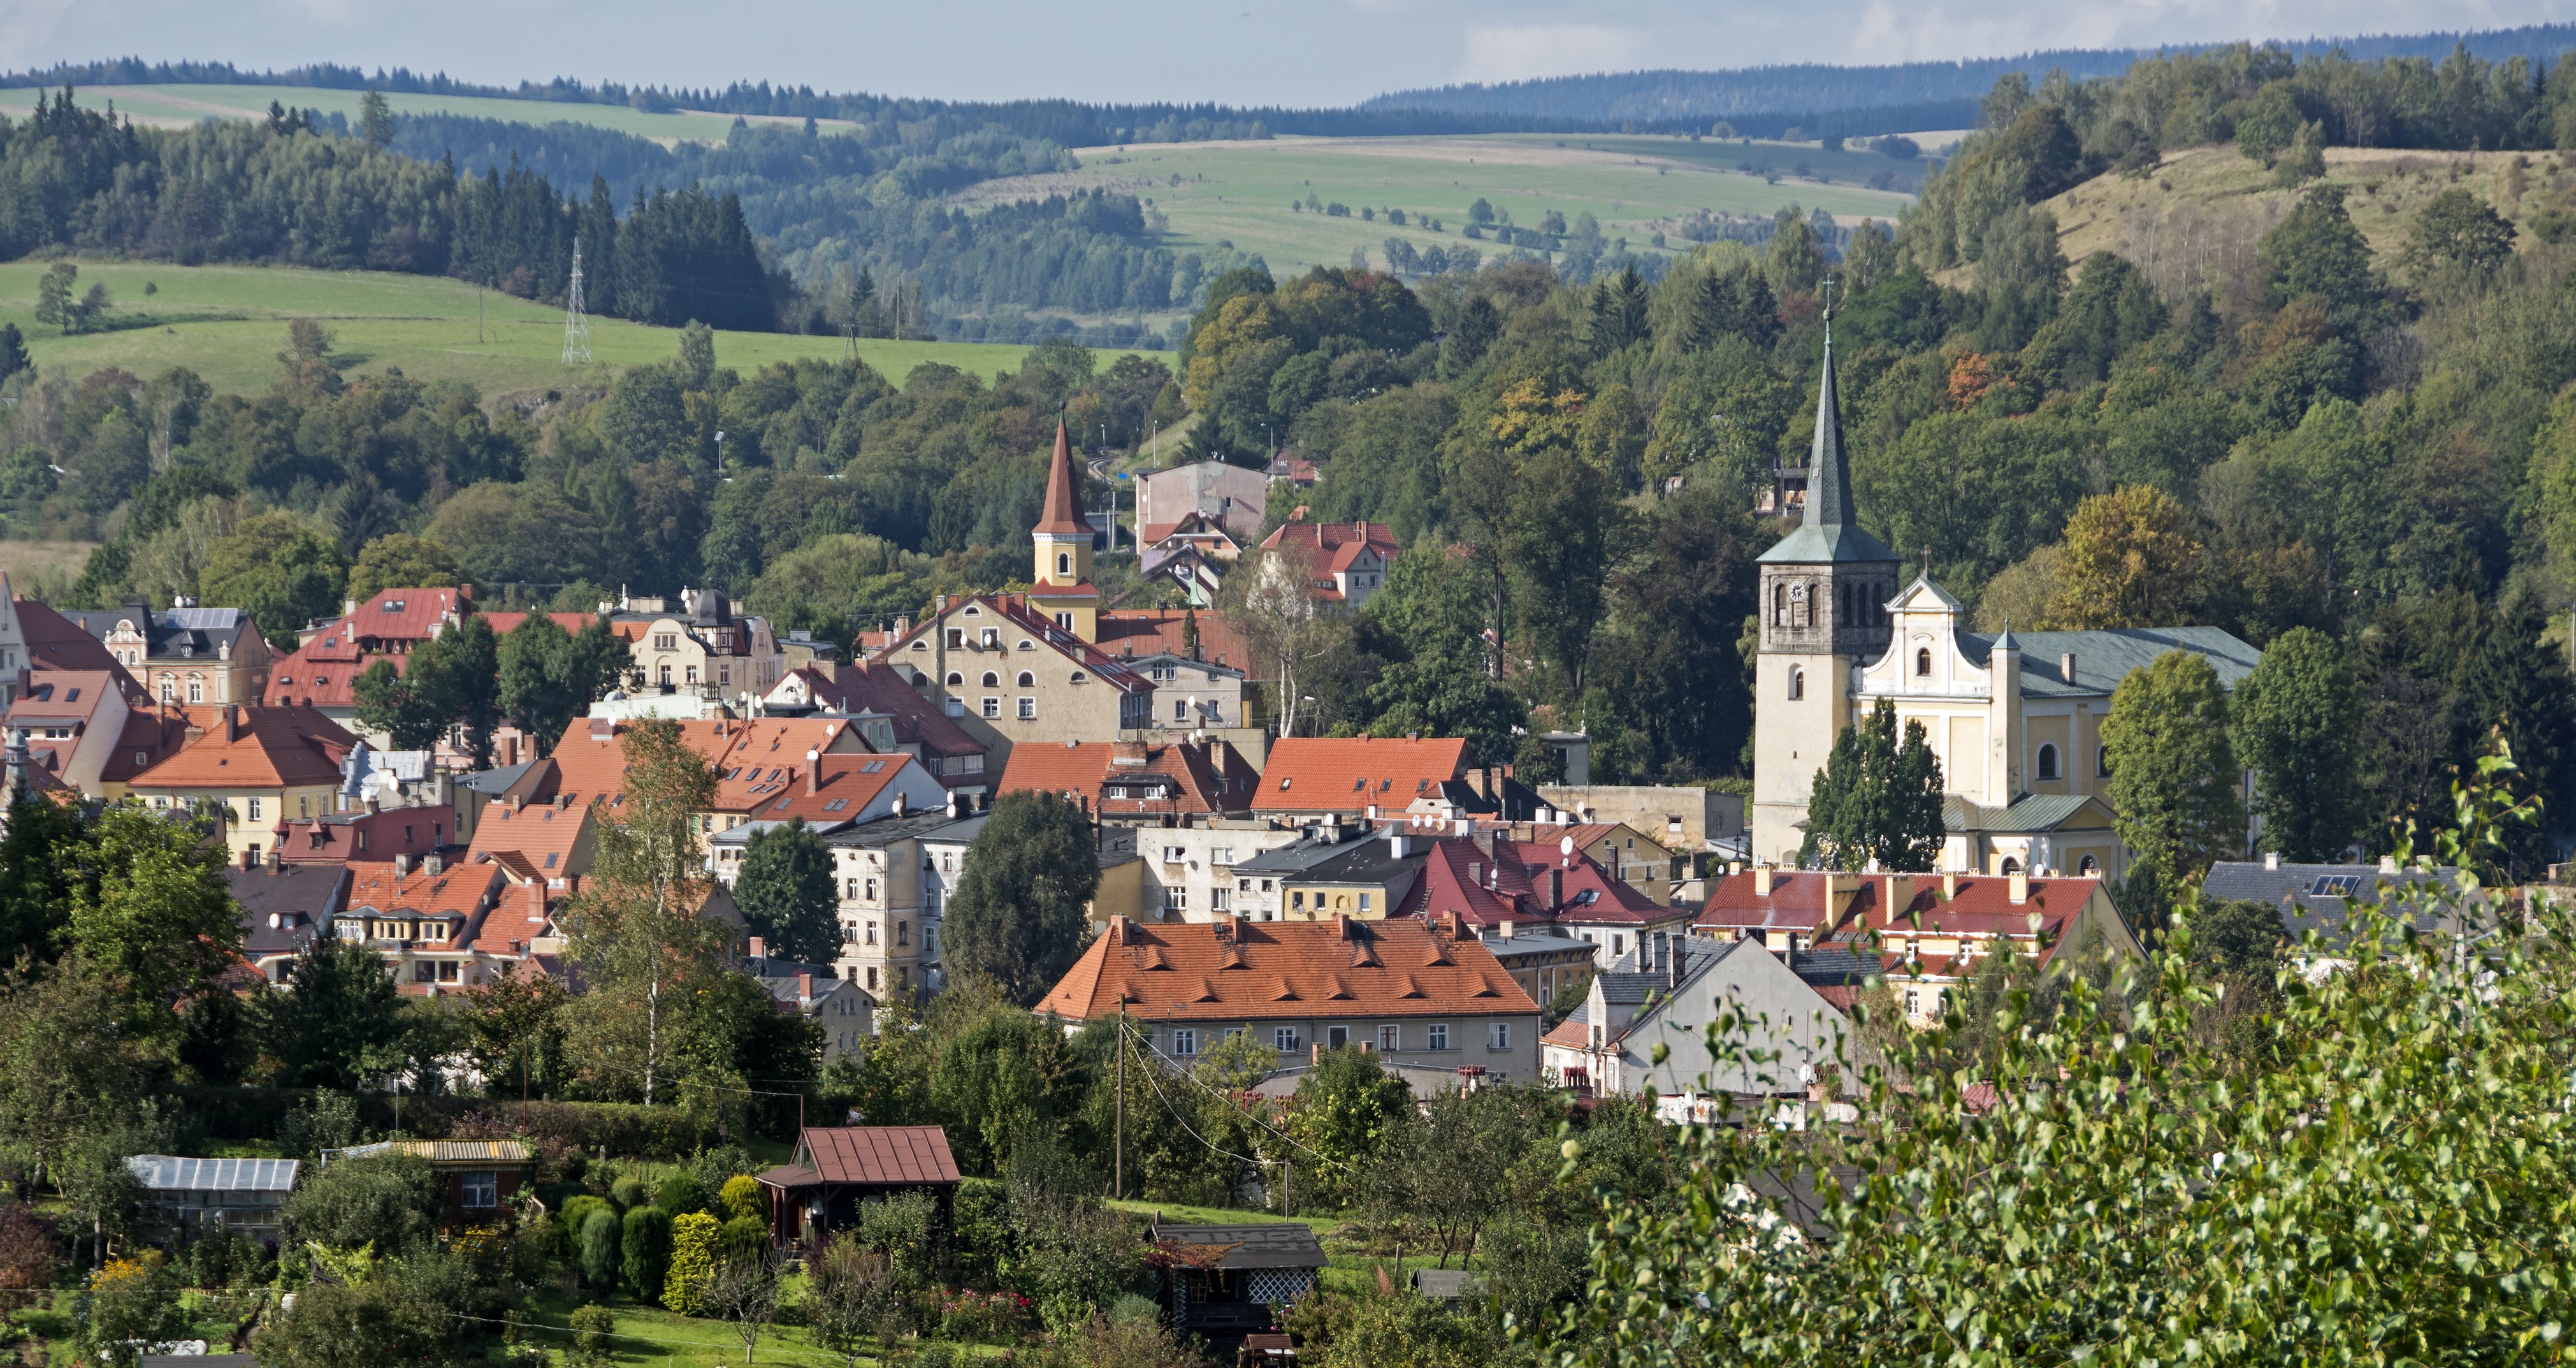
<point>1829,496</point>
<point>1063,513</point>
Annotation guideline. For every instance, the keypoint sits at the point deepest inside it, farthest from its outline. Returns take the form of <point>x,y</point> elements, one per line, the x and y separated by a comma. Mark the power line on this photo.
<point>1250,1116</point>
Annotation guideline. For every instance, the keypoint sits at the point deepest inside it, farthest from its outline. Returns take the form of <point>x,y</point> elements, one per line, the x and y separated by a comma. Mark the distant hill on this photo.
<point>1775,94</point>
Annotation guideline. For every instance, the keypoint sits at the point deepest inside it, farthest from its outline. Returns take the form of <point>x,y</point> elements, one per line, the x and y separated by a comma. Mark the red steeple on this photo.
<point>1063,515</point>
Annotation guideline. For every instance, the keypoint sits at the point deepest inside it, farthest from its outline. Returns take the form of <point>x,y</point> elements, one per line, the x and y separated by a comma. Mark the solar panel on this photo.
<point>2334,885</point>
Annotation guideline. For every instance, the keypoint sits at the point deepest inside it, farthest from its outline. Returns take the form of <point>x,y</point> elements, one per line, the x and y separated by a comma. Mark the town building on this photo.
<point>887,905</point>
<point>1342,565</point>
<point>912,724</point>
<point>757,762</point>
<point>696,646</point>
<point>1427,993</point>
<point>283,908</point>
<point>2335,902</point>
<point>1230,499</point>
<point>1195,571</point>
<point>1683,820</point>
<point>1320,779</point>
<point>1488,878</point>
<point>1137,783</point>
<point>1543,960</point>
<point>33,636</point>
<point>1628,853</point>
<point>183,654</point>
<point>424,919</point>
<point>1006,669</point>
<point>2012,719</point>
<point>1188,633</point>
<point>844,1012</point>
<point>257,765</point>
<point>1664,999</point>
<point>69,724</point>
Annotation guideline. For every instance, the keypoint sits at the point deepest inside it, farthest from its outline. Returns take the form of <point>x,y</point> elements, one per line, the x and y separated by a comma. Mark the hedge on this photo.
<point>622,1127</point>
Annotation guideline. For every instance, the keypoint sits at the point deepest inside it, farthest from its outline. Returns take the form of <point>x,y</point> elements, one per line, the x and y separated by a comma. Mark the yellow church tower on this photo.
<point>1062,587</point>
<point>1825,593</point>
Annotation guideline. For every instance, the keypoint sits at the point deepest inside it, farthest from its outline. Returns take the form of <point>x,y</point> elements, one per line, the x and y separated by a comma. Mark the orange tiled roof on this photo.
<point>844,785</point>
<point>752,758</point>
<point>533,843</point>
<point>1090,769</point>
<point>55,642</point>
<point>320,673</point>
<point>404,615</point>
<point>1328,548</point>
<point>254,747</point>
<point>1234,969</point>
<point>505,623</point>
<point>866,687</point>
<point>518,916</point>
<point>1346,774</point>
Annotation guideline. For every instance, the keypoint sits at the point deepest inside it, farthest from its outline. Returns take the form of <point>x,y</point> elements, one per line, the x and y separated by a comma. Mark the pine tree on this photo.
<point>1714,310</point>
<point>1876,801</point>
<point>2519,688</point>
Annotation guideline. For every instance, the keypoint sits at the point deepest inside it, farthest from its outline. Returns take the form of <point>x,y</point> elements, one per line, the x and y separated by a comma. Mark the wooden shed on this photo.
<point>1231,1280</point>
<point>837,1167</point>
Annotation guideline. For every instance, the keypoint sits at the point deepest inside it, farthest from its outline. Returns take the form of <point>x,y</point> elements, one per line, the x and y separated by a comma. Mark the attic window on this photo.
<point>836,805</point>
<point>1422,786</point>
<point>550,859</point>
<point>1285,782</point>
<point>872,767</point>
<point>72,697</point>
<point>921,645</point>
<point>393,605</point>
<point>1359,785</point>
<point>974,612</point>
<point>782,804</point>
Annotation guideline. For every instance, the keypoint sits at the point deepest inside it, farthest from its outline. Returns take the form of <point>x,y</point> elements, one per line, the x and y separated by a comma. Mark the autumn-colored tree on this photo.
<point>2129,561</point>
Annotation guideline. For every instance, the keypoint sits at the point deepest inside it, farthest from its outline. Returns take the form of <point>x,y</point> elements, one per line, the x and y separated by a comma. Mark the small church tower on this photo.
<point>1062,587</point>
<point>1825,592</point>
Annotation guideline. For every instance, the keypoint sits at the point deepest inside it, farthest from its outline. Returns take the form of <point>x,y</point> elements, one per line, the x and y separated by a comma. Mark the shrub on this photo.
<point>571,1218</point>
<point>680,1194</point>
<point>627,1193</point>
<point>645,1251</point>
<point>693,1258</point>
<point>388,1200</point>
<point>744,1237</point>
<point>373,1322</point>
<point>599,1249</point>
<point>593,1327</point>
<point>740,1197</point>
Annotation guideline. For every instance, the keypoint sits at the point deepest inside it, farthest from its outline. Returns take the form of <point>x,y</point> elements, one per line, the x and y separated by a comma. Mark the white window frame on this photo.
<point>1028,709</point>
<point>1439,1032</point>
<point>482,1184</point>
<point>1498,1036</point>
<point>1284,1039</point>
<point>1185,1042</point>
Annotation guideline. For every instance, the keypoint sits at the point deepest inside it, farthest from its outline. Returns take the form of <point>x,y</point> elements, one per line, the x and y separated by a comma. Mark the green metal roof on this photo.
<point>2104,658</point>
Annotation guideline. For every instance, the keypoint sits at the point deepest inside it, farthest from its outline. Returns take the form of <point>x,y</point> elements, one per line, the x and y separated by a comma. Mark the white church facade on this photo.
<point>2015,719</point>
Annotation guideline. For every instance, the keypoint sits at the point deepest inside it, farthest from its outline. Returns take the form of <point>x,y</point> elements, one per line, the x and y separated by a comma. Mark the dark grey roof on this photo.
<point>1829,530</point>
<point>497,780</point>
<point>1834,966</point>
<point>882,832</point>
<point>1629,987</point>
<point>168,1173</point>
<point>197,631</point>
<point>311,892</point>
<point>1281,1244</point>
<point>2104,658</point>
<point>1299,855</point>
<point>1367,861</point>
<point>2308,904</point>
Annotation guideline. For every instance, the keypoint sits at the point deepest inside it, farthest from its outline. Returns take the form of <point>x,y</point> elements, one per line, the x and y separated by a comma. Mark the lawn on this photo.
<point>179,105</point>
<point>227,323</point>
<point>1240,192</point>
<point>1347,1271</point>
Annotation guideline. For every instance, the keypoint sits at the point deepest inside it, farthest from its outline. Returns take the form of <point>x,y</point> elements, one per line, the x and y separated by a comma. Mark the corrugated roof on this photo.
<point>441,1151</point>
<point>883,1156</point>
<point>1271,1244</point>
<point>169,1173</point>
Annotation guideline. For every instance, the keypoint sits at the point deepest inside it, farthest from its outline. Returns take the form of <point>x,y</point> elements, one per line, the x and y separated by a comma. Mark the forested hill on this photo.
<point>1947,92</point>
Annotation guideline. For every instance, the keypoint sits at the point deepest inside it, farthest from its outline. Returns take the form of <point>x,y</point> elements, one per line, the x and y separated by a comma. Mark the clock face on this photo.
<point>1798,590</point>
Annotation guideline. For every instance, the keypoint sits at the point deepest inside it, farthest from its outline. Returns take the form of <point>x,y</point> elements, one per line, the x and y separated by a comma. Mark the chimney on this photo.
<point>1456,924</point>
<point>901,803</point>
<point>374,805</point>
<point>402,866</point>
<point>518,802</point>
<point>1509,930</point>
<point>814,775</point>
<point>1660,960</point>
<point>805,987</point>
<point>2387,864</point>
<point>536,902</point>
<point>433,864</point>
<point>2271,859</point>
<point>1949,886</point>
<point>2066,667</point>
<point>1762,881</point>
<point>276,860</point>
<point>1341,926</point>
<point>2017,888</point>
<point>232,723</point>
<point>1475,871</point>
<point>1900,893</point>
<point>1234,924</point>
<point>1681,960</point>
<point>1556,888</point>
<point>760,947</point>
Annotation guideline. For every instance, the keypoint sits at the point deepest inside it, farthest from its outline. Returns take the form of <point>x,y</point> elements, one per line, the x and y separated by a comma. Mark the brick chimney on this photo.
<point>1556,887</point>
<point>1120,932</point>
<point>814,773</point>
<point>1455,924</point>
<point>232,723</point>
<point>805,987</point>
<point>1341,926</point>
<point>759,947</point>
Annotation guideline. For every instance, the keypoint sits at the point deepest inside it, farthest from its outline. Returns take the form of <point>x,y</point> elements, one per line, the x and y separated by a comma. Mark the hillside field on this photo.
<point>228,323</point>
<point>1239,192</point>
<point>181,105</point>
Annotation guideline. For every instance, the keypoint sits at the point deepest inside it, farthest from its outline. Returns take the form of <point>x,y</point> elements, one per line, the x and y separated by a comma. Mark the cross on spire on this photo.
<point>1827,289</point>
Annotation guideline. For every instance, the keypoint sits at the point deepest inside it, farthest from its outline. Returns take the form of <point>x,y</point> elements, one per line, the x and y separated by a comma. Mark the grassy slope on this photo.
<point>186,104</point>
<point>1631,184</point>
<point>227,324</point>
<point>2214,194</point>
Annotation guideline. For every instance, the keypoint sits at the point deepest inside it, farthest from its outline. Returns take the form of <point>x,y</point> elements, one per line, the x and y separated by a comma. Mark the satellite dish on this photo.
<point>1564,845</point>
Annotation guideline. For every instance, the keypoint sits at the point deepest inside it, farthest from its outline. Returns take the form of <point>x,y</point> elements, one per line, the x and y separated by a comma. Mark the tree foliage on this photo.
<point>1876,803</point>
<point>1020,913</point>
<point>2173,769</point>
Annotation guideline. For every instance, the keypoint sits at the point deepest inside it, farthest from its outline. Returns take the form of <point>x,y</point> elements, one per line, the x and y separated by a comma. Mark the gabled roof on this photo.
<point>519,917</point>
<point>1347,774</point>
<point>1799,900</point>
<point>1234,968</point>
<point>63,697</point>
<point>865,687</point>
<point>456,891</point>
<point>251,746</point>
<point>2029,812</point>
<point>298,897</point>
<point>846,789</point>
<point>531,843</point>
<point>153,732</point>
<point>58,642</point>
<point>754,759</point>
<point>1012,612</point>
<point>322,672</point>
<point>1326,549</point>
<point>1158,631</point>
<point>2322,897</point>
<point>1270,1244</point>
<point>1186,778</point>
<point>883,1156</point>
<point>405,615</point>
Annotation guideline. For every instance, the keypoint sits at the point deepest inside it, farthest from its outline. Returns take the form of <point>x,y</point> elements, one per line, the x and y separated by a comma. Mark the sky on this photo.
<point>1240,52</point>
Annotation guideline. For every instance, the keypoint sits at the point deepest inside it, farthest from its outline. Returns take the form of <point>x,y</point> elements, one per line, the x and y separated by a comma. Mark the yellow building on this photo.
<point>260,765</point>
<point>2015,720</point>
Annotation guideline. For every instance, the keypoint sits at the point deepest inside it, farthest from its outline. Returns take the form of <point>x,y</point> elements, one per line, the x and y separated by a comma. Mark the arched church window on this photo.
<point>2048,762</point>
<point>1028,680</point>
<point>1064,562</point>
<point>1797,683</point>
<point>1923,662</point>
<point>1779,605</point>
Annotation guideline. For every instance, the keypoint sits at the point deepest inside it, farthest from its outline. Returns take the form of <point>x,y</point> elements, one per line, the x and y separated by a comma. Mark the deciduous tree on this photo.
<point>787,893</point>
<point>2129,560</point>
<point>1020,914</point>
<point>2298,728</point>
<point>2173,771</point>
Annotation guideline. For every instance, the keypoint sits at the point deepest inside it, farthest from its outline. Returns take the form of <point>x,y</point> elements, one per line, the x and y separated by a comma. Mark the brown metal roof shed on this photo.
<point>836,1167</point>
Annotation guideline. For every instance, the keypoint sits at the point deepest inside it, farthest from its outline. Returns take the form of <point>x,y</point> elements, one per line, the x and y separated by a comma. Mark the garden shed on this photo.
<point>1223,1280</point>
<point>835,1168</point>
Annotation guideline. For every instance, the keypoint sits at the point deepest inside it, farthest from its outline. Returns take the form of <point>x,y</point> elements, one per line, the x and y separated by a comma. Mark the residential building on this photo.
<point>845,1012</point>
<point>1787,910</point>
<point>1232,498</point>
<point>835,1168</point>
<point>1295,470</point>
<point>182,654</point>
<point>912,724</point>
<point>190,1199</point>
<point>1367,881</point>
<point>1215,702</point>
<point>1342,565</point>
<point>1010,675</point>
<point>1664,999</point>
<point>1262,881</point>
<point>2011,718</point>
<point>424,919</point>
<point>697,646</point>
<point>1197,573</point>
<point>69,723</point>
<point>1626,852</point>
<point>480,1177</point>
<point>1137,783</point>
<point>551,844</point>
<point>33,636</point>
<point>371,831</point>
<point>802,650</point>
<point>1328,778</point>
<point>1190,633</point>
<point>258,764</point>
<point>2325,898</point>
<point>943,863</point>
<point>284,906</point>
<point>1487,879</point>
<point>874,843</point>
<point>1422,993</point>
<point>396,621</point>
<point>1190,868</point>
<point>757,762</point>
<point>1683,820</point>
<point>1542,960</point>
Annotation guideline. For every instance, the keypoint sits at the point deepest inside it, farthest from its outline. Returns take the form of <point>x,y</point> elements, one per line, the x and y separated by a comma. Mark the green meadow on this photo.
<point>186,104</point>
<point>228,323</point>
<point>1241,192</point>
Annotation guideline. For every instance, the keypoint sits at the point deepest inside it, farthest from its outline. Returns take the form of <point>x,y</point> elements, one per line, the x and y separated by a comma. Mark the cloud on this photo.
<point>1519,52</point>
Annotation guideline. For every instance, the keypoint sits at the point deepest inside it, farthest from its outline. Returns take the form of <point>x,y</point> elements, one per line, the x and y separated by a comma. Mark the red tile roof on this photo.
<point>153,731</point>
<point>532,843</point>
<point>55,642</point>
<point>319,673</point>
<point>1062,515</point>
<point>1328,548</point>
<point>754,759</point>
<point>1148,631</point>
<point>505,623</point>
<point>888,1156</point>
<point>1581,892</point>
<point>519,915</point>
<point>248,747</point>
<point>867,687</point>
<point>404,616</point>
<point>1234,969</point>
<point>1798,901</point>
<point>844,787</point>
<point>1346,774</point>
<point>1190,774</point>
<point>62,697</point>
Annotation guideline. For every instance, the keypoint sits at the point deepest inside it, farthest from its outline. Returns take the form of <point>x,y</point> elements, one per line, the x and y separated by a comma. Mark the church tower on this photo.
<point>1825,591</point>
<point>1062,589</point>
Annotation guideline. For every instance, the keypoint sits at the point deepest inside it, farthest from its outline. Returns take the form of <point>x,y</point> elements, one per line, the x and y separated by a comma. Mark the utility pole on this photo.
<point>1118,1165</point>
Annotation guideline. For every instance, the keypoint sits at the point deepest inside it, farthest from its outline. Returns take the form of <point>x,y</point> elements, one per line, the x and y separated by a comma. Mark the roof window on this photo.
<point>393,605</point>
